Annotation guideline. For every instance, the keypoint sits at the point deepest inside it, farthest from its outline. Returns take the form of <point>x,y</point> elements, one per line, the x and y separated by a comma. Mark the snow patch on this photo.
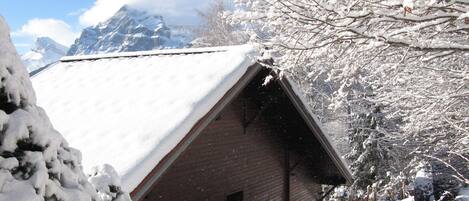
<point>107,182</point>
<point>408,4</point>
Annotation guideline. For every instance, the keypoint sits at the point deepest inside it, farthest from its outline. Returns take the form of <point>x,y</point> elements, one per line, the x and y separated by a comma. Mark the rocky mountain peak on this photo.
<point>127,30</point>
<point>45,51</point>
<point>44,44</point>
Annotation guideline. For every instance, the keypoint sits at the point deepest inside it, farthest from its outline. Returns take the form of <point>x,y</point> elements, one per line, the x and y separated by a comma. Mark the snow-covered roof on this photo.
<point>131,109</point>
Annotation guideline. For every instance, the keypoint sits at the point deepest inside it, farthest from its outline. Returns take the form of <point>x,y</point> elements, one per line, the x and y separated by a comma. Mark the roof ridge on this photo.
<point>149,53</point>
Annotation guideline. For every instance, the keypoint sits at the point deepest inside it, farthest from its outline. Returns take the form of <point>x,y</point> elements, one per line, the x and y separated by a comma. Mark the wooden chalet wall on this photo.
<point>245,149</point>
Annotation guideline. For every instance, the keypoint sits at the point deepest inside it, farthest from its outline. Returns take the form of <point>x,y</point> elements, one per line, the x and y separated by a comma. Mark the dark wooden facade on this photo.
<point>258,147</point>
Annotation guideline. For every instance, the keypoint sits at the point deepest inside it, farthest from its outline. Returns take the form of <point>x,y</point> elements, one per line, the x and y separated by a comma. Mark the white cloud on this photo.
<point>58,30</point>
<point>170,9</point>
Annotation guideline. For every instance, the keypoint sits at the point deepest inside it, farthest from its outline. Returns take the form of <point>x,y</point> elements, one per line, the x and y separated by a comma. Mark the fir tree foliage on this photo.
<point>36,162</point>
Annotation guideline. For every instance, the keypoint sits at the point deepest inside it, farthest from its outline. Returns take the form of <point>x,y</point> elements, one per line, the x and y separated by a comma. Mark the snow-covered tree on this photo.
<point>412,55</point>
<point>36,162</point>
<point>214,29</point>
<point>367,136</point>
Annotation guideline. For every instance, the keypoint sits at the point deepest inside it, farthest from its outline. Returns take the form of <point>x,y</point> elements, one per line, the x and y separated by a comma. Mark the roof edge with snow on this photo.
<point>300,103</point>
<point>295,96</point>
<point>140,191</point>
<point>149,53</point>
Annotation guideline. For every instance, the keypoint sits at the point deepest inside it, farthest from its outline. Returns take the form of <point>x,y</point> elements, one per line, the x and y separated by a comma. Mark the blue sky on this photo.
<point>18,13</point>
<point>63,20</point>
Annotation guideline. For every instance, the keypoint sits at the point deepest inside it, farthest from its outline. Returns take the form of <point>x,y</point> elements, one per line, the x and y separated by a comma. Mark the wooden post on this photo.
<point>286,186</point>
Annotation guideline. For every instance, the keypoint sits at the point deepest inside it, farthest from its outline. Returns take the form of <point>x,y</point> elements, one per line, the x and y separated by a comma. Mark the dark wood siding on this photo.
<point>227,158</point>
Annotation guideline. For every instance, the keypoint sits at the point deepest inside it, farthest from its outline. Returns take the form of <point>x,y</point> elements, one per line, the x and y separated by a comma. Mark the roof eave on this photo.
<point>159,52</point>
<point>145,186</point>
<point>313,123</point>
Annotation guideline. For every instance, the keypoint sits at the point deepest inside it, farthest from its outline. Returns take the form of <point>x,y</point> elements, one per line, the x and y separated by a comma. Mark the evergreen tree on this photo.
<point>369,133</point>
<point>36,162</point>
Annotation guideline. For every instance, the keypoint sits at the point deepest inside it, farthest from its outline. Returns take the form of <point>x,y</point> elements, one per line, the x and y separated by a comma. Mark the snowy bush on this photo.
<point>36,162</point>
<point>107,182</point>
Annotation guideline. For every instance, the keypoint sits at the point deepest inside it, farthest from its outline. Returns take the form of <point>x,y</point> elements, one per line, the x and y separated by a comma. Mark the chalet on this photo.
<point>191,124</point>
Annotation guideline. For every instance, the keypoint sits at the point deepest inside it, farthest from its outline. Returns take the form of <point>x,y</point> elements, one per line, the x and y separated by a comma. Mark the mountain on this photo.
<point>128,30</point>
<point>183,33</point>
<point>45,51</point>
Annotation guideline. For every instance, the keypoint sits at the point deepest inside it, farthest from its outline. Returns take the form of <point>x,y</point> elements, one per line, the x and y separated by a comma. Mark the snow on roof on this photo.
<point>131,109</point>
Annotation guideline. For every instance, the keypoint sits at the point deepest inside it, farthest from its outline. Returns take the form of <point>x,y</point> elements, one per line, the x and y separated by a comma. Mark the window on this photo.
<point>238,196</point>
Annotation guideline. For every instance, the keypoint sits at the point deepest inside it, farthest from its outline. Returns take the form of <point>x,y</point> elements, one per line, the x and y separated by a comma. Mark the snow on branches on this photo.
<point>215,30</point>
<point>410,58</point>
<point>107,182</point>
<point>36,162</point>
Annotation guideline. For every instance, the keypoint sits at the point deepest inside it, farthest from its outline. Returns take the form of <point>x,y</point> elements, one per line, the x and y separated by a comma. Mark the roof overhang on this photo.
<point>293,93</point>
<point>296,97</point>
<point>145,186</point>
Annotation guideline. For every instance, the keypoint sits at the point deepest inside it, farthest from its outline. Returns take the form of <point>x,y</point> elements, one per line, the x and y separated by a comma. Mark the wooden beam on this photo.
<point>286,185</point>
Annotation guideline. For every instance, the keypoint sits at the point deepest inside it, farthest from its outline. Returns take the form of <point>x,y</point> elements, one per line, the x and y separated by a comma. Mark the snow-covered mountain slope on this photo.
<point>183,33</point>
<point>128,30</point>
<point>45,51</point>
